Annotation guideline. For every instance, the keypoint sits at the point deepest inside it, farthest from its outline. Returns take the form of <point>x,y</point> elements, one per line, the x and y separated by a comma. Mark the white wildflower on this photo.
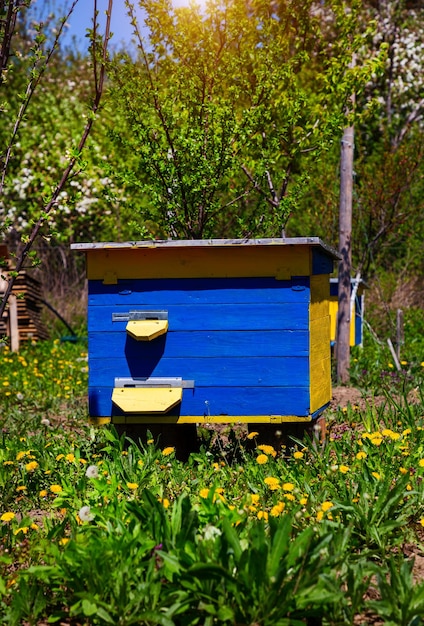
<point>92,471</point>
<point>85,514</point>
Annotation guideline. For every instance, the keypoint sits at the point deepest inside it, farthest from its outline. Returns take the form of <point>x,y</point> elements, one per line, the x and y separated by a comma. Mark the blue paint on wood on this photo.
<point>217,373</point>
<point>230,317</point>
<point>284,343</point>
<point>231,401</point>
<point>321,262</point>
<point>244,341</point>
<point>359,320</point>
<point>187,291</point>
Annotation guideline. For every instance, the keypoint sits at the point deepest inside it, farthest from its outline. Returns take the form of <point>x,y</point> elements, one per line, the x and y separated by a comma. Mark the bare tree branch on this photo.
<point>99,84</point>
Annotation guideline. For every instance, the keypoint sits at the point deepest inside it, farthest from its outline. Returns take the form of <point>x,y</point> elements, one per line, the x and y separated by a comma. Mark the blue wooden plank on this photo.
<point>153,292</point>
<point>231,401</point>
<point>201,344</point>
<point>225,372</point>
<point>212,317</point>
<point>322,263</point>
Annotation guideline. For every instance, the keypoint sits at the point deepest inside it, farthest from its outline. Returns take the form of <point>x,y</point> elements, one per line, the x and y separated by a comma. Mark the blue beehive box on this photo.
<point>209,331</point>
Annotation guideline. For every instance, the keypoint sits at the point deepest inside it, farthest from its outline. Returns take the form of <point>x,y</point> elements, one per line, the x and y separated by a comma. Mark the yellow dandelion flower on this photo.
<point>30,467</point>
<point>8,463</point>
<point>132,486</point>
<point>406,432</point>
<point>70,457</point>
<point>43,493</point>
<point>320,515</point>
<point>290,497</point>
<point>376,441</point>
<point>55,488</point>
<point>326,506</point>
<point>21,488</point>
<point>403,470</point>
<point>34,526</point>
<point>408,487</point>
<point>23,530</point>
<point>277,509</point>
<point>288,486</point>
<point>303,501</point>
<point>298,454</point>
<point>83,461</point>
<point>59,457</point>
<point>262,459</point>
<point>21,454</point>
<point>63,541</point>
<point>8,516</point>
<point>267,449</point>
<point>165,503</point>
<point>167,451</point>
<point>376,475</point>
<point>361,455</point>
<point>252,435</point>
<point>140,463</point>
<point>254,498</point>
<point>272,482</point>
<point>422,521</point>
<point>263,515</point>
<point>204,493</point>
<point>344,469</point>
<point>421,462</point>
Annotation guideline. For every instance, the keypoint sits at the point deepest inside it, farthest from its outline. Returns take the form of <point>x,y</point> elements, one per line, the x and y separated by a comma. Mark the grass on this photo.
<point>98,530</point>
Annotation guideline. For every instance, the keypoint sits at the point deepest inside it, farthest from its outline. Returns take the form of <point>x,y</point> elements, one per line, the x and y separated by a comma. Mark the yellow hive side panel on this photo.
<point>334,307</point>
<point>191,262</point>
<point>319,357</point>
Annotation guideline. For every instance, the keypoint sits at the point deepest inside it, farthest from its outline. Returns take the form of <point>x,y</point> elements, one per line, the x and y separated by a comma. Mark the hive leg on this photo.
<point>182,437</point>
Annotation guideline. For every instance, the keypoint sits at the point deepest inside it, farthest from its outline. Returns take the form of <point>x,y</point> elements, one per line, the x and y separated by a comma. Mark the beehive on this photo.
<point>356,314</point>
<point>209,330</point>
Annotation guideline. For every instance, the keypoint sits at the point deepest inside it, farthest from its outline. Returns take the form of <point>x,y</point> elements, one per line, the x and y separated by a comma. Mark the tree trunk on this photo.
<point>345,250</point>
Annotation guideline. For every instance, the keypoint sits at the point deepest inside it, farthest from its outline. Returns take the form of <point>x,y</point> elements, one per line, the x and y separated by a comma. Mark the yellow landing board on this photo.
<point>146,399</point>
<point>146,330</point>
<point>281,262</point>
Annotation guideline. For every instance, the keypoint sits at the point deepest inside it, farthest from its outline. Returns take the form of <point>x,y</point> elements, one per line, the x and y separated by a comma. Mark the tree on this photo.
<point>38,59</point>
<point>224,104</point>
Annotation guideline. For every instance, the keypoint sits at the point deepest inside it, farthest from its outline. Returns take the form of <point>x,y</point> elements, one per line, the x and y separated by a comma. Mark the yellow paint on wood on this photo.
<point>319,343</point>
<point>334,308</point>
<point>320,296</point>
<point>146,330</point>
<point>146,399</point>
<point>210,419</point>
<point>281,262</point>
<point>99,421</point>
<point>320,384</point>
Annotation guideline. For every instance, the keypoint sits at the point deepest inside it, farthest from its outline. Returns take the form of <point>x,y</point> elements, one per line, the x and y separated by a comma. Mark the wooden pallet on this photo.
<point>26,305</point>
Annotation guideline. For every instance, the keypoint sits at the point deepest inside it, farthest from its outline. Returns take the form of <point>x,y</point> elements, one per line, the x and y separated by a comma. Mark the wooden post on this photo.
<point>345,250</point>
<point>399,332</point>
<point>13,323</point>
